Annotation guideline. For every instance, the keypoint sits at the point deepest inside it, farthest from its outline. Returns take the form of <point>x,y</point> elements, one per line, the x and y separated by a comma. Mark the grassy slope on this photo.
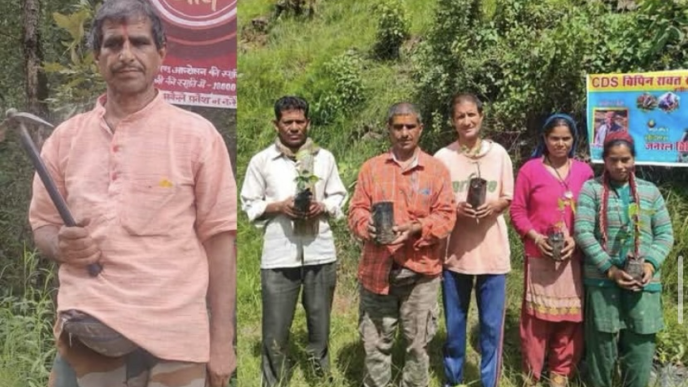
<point>286,64</point>
<point>294,53</point>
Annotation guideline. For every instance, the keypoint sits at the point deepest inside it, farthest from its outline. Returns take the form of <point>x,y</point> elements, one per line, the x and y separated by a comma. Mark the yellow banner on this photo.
<point>655,81</point>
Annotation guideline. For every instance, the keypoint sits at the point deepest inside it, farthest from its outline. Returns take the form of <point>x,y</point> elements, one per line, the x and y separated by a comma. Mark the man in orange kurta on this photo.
<point>152,190</point>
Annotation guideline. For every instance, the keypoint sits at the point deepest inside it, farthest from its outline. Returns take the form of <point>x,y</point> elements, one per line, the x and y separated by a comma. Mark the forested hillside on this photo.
<point>526,59</point>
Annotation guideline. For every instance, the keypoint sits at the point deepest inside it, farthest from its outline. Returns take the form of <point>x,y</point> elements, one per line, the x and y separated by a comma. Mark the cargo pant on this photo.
<point>414,305</point>
<point>78,366</point>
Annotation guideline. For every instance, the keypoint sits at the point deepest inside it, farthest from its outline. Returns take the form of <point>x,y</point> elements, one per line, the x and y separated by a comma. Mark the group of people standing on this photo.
<point>146,257</point>
<point>580,233</point>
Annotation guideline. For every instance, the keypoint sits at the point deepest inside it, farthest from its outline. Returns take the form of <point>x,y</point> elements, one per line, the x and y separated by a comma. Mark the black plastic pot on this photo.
<point>477,190</point>
<point>302,201</point>
<point>556,240</point>
<point>634,266</point>
<point>383,221</point>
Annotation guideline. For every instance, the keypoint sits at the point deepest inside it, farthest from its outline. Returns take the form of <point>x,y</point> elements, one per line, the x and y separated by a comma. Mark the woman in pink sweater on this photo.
<point>543,209</point>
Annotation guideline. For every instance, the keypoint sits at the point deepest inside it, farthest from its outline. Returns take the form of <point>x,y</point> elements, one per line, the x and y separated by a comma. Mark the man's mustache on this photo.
<point>117,69</point>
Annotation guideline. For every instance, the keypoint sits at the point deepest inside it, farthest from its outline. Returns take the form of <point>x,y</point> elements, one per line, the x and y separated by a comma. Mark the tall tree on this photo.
<point>36,85</point>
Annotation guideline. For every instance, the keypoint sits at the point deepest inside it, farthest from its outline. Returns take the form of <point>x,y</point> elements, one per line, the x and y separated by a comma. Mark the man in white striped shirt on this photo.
<point>291,189</point>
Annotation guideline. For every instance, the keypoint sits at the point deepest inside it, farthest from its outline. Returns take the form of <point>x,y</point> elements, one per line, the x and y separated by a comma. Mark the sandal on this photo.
<point>556,380</point>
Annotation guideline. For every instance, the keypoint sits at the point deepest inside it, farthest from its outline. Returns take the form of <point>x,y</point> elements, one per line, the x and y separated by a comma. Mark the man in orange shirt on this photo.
<point>152,189</point>
<point>400,280</point>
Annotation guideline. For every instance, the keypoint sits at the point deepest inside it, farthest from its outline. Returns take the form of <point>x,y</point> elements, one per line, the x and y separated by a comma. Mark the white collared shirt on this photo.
<point>271,177</point>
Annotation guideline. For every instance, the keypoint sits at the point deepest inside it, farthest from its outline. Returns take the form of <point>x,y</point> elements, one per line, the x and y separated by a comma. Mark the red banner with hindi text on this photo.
<point>201,64</point>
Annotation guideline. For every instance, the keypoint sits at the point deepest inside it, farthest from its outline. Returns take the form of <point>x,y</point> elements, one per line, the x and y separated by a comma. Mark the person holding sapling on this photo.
<point>305,186</point>
<point>291,190</point>
<point>478,249</point>
<point>542,213</point>
<point>400,277</point>
<point>624,230</point>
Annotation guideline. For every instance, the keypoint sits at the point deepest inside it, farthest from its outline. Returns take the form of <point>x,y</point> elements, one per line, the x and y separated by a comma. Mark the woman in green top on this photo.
<point>619,217</point>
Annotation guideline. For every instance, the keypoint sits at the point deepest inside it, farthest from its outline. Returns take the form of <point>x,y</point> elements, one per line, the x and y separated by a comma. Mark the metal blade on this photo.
<point>27,118</point>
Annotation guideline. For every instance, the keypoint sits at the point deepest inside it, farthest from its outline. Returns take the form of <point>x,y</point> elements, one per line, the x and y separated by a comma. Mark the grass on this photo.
<point>26,339</point>
<point>290,60</point>
<point>345,344</point>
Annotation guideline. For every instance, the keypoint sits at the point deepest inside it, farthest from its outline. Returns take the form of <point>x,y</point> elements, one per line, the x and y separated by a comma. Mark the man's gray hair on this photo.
<point>403,109</point>
<point>120,11</point>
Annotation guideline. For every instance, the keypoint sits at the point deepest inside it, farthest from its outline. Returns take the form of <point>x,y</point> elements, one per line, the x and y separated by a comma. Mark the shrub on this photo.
<point>342,90</point>
<point>76,83</point>
<point>531,58</point>
<point>392,28</point>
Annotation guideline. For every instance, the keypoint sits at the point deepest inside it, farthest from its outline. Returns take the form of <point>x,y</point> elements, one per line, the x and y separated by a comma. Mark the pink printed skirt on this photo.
<point>554,290</point>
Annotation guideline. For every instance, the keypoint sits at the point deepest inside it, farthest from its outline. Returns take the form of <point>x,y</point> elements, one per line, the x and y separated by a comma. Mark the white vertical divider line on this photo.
<point>680,289</point>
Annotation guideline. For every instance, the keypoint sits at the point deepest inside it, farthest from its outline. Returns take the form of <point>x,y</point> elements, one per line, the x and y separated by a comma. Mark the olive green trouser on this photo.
<point>612,320</point>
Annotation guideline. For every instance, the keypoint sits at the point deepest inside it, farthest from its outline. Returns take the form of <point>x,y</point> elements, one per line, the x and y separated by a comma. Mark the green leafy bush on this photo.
<point>530,57</point>
<point>341,90</point>
<point>74,83</point>
<point>392,28</point>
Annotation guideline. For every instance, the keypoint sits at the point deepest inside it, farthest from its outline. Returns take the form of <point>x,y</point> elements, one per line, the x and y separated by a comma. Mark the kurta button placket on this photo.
<point>115,148</point>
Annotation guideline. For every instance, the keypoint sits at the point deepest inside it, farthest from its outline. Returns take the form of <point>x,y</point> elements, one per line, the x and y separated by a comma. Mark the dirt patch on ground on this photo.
<point>255,34</point>
<point>345,302</point>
